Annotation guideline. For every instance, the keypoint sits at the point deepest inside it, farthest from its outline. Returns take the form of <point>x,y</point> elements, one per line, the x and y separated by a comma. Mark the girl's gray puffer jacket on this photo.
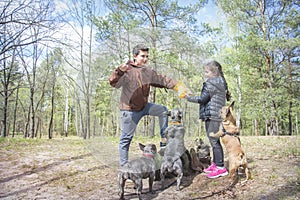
<point>212,99</point>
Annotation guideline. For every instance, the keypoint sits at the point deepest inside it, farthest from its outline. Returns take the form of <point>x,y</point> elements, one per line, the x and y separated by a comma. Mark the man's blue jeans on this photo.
<point>129,122</point>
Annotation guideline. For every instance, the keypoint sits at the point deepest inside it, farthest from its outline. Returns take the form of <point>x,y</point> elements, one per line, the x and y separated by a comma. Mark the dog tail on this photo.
<point>236,179</point>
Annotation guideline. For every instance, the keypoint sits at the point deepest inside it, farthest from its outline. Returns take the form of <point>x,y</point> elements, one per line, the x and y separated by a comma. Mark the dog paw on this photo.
<point>211,134</point>
<point>215,135</point>
<point>244,182</point>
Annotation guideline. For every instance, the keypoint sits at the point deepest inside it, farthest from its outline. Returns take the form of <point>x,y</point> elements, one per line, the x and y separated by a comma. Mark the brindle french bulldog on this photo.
<point>138,169</point>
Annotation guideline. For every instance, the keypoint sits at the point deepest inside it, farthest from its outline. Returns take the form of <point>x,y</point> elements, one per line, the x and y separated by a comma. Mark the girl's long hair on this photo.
<point>216,67</point>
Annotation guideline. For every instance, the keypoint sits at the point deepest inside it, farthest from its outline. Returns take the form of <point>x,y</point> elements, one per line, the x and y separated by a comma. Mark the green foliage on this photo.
<point>258,50</point>
<point>266,55</point>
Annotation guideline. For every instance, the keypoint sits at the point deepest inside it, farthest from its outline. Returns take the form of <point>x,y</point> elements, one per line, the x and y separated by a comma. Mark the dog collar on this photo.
<point>228,133</point>
<point>149,155</point>
<point>174,123</point>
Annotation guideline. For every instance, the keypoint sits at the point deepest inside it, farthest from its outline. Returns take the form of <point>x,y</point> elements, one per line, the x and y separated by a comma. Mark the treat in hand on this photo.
<point>182,90</point>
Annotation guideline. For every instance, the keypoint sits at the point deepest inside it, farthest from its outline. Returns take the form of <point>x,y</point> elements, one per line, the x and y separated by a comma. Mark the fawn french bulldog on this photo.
<point>229,133</point>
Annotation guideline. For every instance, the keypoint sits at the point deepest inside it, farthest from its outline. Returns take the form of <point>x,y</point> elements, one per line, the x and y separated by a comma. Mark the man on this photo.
<point>135,79</point>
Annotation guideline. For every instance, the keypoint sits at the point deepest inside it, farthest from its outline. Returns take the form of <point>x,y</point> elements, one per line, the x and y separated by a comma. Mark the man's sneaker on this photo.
<point>211,168</point>
<point>218,172</point>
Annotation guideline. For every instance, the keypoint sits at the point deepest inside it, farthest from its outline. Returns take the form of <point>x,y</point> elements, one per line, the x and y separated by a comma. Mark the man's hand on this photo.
<point>123,67</point>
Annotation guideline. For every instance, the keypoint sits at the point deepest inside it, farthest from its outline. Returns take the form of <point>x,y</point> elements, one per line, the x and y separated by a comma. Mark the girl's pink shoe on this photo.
<point>211,168</point>
<point>217,173</point>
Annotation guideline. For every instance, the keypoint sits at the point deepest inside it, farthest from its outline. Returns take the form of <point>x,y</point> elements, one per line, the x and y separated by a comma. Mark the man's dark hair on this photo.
<point>138,48</point>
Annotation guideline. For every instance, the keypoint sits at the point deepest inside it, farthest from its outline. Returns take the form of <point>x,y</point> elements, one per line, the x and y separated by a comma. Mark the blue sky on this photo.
<point>209,13</point>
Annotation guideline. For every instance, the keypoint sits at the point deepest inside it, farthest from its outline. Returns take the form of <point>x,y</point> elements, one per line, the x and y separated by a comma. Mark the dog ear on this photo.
<point>201,141</point>
<point>141,146</point>
<point>153,148</point>
<point>180,113</point>
<point>231,105</point>
<point>169,113</point>
<point>227,111</point>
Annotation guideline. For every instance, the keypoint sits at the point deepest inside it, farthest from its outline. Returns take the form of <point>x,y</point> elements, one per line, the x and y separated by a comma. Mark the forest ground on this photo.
<point>73,168</point>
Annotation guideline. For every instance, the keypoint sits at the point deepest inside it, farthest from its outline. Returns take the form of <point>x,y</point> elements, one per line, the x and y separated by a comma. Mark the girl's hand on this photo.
<point>188,94</point>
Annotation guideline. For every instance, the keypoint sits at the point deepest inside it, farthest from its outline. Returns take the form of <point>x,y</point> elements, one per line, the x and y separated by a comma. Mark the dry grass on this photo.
<point>72,168</point>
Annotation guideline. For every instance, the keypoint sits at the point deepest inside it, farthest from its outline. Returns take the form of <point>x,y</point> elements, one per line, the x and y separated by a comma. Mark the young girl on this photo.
<point>213,97</point>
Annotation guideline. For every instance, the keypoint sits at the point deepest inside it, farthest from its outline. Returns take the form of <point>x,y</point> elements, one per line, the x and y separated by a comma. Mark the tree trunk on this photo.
<point>291,97</point>
<point>256,127</point>
<point>66,115</point>
<point>239,92</point>
<point>4,120</point>
<point>88,118</point>
<point>296,125</point>
<point>27,124</point>
<point>152,118</point>
<point>32,113</point>
<point>15,111</point>
<point>38,127</point>
<point>82,131</point>
<point>50,128</point>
